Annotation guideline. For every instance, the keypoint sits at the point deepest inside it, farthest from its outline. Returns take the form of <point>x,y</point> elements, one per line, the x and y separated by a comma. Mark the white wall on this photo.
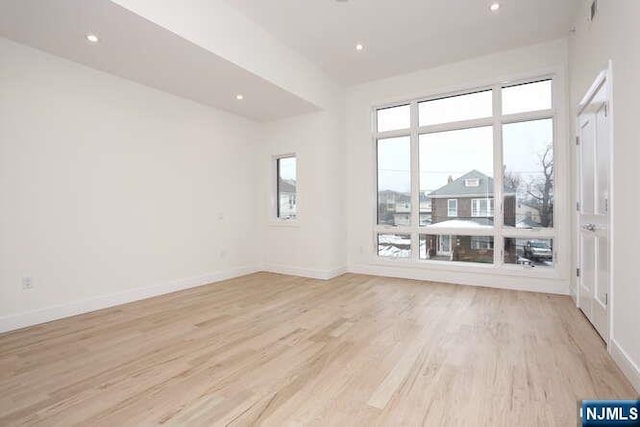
<point>107,186</point>
<point>615,35</point>
<point>520,63</point>
<point>314,245</point>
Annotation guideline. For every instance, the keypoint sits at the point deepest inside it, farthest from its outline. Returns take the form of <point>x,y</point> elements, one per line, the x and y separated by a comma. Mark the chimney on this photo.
<point>450,179</point>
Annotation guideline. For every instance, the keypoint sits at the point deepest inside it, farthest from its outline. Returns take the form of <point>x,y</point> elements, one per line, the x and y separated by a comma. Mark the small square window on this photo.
<point>527,97</point>
<point>459,248</point>
<point>529,252</point>
<point>456,108</point>
<point>394,118</point>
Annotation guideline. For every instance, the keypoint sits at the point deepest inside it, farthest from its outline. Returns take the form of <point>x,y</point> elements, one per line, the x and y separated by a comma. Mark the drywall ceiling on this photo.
<point>139,50</point>
<point>401,36</point>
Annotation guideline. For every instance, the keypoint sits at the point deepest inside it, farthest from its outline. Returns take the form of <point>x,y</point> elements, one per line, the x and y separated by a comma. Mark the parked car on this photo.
<point>536,250</point>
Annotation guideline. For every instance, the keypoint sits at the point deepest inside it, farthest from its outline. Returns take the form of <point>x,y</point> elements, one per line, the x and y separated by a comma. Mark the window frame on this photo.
<point>499,232</point>
<point>275,218</point>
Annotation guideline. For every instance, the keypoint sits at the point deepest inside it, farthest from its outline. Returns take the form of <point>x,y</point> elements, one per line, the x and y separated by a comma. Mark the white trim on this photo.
<point>516,273</point>
<point>604,80</point>
<point>626,365</point>
<point>29,318</point>
<point>311,273</point>
<point>292,223</point>
<point>489,279</point>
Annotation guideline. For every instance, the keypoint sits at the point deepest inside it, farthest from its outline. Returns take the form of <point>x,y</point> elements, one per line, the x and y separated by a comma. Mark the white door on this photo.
<point>594,231</point>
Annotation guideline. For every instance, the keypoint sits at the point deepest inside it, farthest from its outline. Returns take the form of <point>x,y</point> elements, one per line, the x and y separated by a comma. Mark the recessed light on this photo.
<point>494,7</point>
<point>239,97</point>
<point>359,47</point>
<point>92,38</point>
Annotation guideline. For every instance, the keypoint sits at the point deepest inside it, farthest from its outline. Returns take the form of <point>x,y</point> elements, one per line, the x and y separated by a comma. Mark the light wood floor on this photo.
<point>274,350</point>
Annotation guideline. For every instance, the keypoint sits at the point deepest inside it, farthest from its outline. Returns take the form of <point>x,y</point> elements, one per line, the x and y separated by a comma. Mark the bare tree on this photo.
<point>540,189</point>
<point>512,181</point>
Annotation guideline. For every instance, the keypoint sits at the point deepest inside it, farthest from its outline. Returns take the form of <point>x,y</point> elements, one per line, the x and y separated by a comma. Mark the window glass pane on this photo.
<point>477,249</point>
<point>456,167</point>
<point>452,205</point>
<point>528,174</point>
<point>526,97</point>
<point>529,252</point>
<point>394,245</point>
<point>394,118</point>
<point>394,181</point>
<point>287,188</point>
<point>456,108</point>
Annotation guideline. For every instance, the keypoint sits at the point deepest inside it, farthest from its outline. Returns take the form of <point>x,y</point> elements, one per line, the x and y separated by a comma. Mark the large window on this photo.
<point>286,188</point>
<point>456,174</point>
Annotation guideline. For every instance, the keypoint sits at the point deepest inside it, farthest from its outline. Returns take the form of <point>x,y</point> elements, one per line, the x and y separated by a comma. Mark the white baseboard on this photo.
<point>627,366</point>
<point>21,320</point>
<point>468,279</point>
<point>304,272</point>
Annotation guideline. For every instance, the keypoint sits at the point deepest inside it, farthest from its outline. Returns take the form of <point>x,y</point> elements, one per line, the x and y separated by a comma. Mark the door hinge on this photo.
<point>577,272</point>
<point>606,109</point>
<point>578,206</point>
<point>577,140</point>
<point>606,299</point>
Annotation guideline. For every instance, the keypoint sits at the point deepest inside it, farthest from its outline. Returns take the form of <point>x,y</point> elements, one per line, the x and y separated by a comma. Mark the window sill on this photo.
<point>553,273</point>
<point>290,223</point>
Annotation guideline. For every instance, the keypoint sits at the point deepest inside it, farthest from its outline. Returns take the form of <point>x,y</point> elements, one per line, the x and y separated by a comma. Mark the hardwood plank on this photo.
<point>275,350</point>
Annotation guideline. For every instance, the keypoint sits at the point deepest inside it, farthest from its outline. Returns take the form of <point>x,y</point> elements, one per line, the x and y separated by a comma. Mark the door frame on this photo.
<point>604,79</point>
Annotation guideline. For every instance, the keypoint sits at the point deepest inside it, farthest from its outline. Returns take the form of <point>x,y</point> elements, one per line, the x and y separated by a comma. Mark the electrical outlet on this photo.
<point>27,282</point>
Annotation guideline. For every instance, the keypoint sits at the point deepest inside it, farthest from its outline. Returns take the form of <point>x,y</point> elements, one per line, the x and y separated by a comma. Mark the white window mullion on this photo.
<point>415,182</point>
<point>498,162</point>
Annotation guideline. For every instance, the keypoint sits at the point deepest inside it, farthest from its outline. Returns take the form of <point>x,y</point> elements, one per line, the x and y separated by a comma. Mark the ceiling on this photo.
<point>401,36</point>
<point>139,50</point>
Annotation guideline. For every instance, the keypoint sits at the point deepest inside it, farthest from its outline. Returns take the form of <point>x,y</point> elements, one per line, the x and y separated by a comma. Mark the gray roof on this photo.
<point>458,188</point>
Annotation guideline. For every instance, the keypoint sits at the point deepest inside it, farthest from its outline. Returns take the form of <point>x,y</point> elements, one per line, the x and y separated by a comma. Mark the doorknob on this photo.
<point>589,227</point>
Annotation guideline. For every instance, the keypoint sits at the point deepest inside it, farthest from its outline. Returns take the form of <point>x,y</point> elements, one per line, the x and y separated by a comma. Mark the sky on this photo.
<point>288,168</point>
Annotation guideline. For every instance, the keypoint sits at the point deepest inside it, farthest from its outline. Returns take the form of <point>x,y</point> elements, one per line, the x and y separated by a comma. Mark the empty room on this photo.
<point>319,213</point>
